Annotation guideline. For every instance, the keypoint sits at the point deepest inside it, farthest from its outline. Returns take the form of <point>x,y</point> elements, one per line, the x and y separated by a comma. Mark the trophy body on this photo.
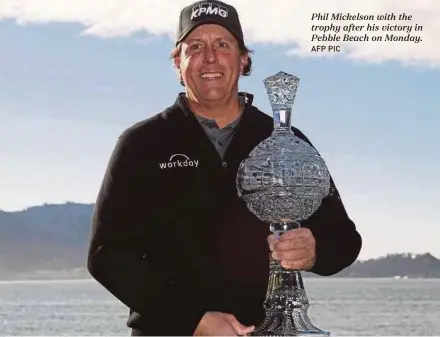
<point>283,182</point>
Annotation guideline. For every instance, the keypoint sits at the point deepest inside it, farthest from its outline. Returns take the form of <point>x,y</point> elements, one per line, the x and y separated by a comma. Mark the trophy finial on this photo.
<point>281,88</point>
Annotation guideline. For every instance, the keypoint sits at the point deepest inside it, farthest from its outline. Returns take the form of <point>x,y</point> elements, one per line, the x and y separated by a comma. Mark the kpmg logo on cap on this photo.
<point>208,8</point>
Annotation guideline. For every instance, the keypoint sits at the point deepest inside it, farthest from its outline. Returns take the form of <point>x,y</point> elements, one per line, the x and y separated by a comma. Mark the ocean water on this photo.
<point>360,307</point>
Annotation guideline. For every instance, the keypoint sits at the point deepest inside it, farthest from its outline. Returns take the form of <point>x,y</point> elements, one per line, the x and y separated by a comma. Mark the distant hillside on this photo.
<point>49,237</point>
<point>51,241</point>
<point>395,265</point>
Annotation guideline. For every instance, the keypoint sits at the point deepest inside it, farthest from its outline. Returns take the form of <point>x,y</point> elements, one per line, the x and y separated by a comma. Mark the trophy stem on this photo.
<point>286,303</point>
<point>282,118</point>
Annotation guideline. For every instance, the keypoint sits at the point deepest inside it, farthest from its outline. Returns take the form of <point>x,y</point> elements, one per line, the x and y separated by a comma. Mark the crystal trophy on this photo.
<point>283,182</point>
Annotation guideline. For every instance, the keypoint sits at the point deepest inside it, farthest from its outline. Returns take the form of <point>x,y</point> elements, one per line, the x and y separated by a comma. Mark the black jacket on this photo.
<point>172,240</point>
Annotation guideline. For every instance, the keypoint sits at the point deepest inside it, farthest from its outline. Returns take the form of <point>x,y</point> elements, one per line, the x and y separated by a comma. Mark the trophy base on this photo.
<point>286,305</point>
<point>296,323</point>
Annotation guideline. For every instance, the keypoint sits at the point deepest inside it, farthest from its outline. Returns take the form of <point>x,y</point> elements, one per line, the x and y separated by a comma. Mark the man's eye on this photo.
<point>223,44</point>
<point>195,47</point>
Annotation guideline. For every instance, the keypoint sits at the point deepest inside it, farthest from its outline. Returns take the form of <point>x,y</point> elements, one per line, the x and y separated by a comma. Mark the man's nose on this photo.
<point>210,54</point>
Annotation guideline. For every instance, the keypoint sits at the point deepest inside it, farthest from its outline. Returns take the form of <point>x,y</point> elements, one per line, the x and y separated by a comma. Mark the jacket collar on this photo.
<point>242,142</point>
<point>183,104</point>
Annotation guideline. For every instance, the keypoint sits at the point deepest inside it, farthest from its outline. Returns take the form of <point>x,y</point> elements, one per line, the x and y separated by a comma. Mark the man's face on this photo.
<point>210,63</point>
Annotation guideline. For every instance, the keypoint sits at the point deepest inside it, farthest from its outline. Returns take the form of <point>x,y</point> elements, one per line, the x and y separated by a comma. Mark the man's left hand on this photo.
<point>295,249</point>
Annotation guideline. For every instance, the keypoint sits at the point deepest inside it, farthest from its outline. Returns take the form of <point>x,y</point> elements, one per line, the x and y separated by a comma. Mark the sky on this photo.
<point>74,75</point>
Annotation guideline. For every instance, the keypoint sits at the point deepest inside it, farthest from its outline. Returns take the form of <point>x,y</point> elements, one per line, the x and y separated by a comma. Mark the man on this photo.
<point>171,239</point>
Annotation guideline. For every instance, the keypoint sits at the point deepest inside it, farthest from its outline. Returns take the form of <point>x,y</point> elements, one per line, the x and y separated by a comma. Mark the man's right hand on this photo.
<point>215,323</point>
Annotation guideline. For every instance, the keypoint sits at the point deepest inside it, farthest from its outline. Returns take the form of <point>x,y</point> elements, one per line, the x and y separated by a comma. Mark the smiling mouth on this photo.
<point>211,75</point>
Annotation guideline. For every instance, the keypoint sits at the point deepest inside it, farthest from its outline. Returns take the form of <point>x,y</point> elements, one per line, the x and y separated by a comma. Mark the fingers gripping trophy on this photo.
<point>283,182</point>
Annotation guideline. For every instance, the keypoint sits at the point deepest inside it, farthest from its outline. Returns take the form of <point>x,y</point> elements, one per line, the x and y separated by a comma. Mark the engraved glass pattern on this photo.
<point>283,182</point>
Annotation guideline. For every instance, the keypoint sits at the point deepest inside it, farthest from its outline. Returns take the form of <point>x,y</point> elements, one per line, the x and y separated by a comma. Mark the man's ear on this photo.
<point>176,61</point>
<point>244,59</point>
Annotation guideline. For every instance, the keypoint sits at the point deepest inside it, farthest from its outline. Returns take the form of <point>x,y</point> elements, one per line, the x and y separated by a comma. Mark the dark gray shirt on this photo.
<point>221,137</point>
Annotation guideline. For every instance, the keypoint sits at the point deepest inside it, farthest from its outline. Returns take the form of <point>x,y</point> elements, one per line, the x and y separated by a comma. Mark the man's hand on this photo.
<point>295,249</point>
<point>216,323</point>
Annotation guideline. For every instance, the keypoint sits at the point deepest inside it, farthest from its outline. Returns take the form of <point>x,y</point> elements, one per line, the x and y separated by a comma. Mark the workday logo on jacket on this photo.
<point>179,160</point>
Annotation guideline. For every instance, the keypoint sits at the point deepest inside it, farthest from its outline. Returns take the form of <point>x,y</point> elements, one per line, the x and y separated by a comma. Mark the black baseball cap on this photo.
<point>209,12</point>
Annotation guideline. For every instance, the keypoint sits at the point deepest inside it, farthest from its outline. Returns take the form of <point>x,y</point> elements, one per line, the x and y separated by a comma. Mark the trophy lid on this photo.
<point>281,88</point>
